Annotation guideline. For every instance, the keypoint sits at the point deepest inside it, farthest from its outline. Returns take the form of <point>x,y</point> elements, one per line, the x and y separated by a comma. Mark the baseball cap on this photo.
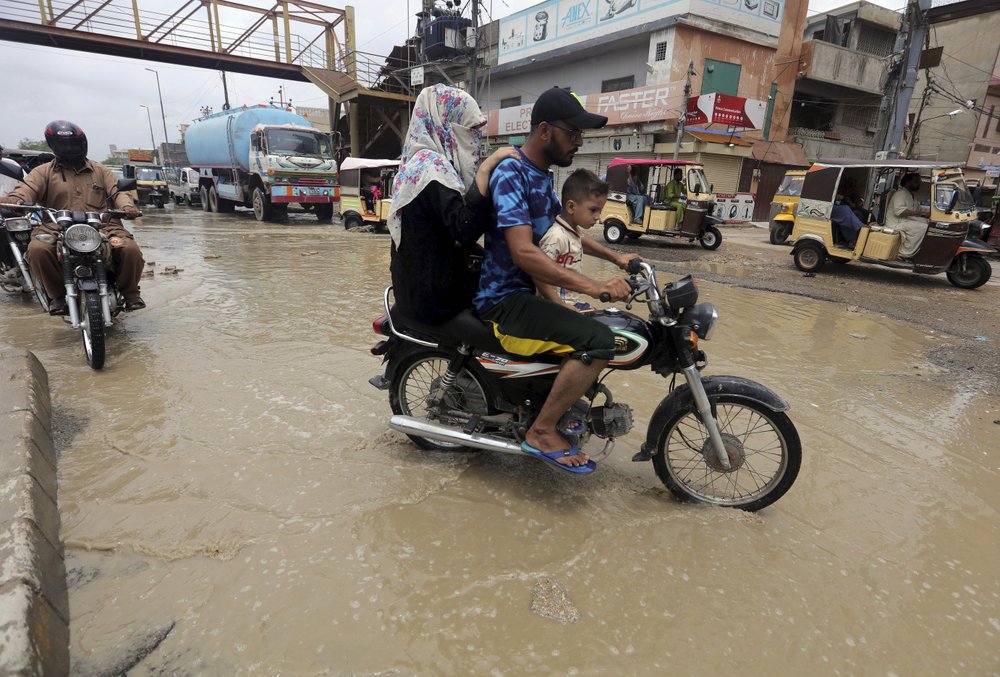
<point>557,104</point>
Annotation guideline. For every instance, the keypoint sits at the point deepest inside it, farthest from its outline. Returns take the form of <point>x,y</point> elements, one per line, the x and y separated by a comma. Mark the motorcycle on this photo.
<point>722,440</point>
<point>92,297</point>
<point>15,273</point>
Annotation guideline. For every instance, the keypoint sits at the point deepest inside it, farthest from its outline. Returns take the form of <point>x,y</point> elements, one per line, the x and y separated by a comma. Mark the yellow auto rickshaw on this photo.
<point>646,203</point>
<point>838,196</point>
<point>784,205</point>
<point>366,191</point>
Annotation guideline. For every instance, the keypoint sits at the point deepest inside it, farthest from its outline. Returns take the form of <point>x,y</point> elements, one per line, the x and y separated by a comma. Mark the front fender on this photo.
<point>682,400</point>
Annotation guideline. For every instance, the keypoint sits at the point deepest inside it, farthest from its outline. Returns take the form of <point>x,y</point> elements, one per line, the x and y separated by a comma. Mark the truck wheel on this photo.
<point>218,204</point>
<point>324,212</point>
<point>205,207</point>
<point>261,205</point>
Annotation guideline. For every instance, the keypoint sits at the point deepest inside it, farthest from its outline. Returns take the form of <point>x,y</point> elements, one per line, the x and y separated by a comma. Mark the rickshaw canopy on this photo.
<point>885,164</point>
<point>366,163</point>
<point>617,162</point>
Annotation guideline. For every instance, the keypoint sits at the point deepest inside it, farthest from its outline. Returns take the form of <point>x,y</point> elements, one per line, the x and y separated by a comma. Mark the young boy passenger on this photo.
<point>583,198</point>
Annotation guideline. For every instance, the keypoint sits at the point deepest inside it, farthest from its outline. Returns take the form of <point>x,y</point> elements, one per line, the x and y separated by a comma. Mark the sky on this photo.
<point>104,94</point>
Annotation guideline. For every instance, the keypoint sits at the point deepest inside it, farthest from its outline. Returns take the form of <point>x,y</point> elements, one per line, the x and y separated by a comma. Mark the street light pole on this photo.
<point>163,117</point>
<point>150,120</point>
<point>916,130</point>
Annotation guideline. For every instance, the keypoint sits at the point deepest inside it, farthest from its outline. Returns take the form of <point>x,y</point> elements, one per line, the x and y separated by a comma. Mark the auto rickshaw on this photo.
<point>658,217</point>
<point>946,247</point>
<point>151,184</point>
<point>784,205</point>
<point>366,191</point>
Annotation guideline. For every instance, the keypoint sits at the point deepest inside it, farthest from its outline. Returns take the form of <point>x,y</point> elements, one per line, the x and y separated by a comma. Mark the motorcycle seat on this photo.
<point>466,327</point>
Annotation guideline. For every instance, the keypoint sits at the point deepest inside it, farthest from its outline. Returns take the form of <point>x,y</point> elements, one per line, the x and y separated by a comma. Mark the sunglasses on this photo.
<point>573,134</point>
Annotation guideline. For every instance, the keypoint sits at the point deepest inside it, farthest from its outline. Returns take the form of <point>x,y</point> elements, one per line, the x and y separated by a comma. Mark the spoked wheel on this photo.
<point>92,323</point>
<point>764,455</point>
<point>39,288</point>
<point>416,390</point>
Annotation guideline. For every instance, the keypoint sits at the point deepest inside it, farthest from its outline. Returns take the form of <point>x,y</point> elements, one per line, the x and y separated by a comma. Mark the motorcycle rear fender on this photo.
<point>682,400</point>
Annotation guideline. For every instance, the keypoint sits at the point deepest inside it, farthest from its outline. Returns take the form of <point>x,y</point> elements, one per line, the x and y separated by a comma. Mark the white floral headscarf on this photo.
<point>442,144</point>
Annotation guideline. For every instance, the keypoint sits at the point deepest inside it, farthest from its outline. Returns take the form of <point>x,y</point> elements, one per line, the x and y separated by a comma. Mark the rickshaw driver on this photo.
<point>907,217</point>
<point>674,192</point>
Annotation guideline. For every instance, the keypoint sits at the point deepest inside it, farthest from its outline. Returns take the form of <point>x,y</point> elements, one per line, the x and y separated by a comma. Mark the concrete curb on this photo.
<point>34,605</point>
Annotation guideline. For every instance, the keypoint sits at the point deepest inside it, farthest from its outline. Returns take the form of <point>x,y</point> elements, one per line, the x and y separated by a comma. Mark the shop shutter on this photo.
<point>589,161</point>
<point>723,171</point>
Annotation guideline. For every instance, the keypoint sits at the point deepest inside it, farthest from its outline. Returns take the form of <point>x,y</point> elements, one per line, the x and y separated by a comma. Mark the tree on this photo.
<point>31,144</point>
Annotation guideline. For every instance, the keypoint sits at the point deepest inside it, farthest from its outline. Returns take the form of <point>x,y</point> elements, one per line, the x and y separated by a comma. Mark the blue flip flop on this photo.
<point>551,456</point>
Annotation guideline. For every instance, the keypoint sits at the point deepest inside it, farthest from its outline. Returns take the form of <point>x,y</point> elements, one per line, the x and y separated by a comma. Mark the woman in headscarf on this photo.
<point>440,206</point>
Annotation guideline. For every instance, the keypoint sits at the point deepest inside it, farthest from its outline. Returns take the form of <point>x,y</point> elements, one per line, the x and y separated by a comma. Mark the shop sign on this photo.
<point>734,208</point>
<point>724,109</point>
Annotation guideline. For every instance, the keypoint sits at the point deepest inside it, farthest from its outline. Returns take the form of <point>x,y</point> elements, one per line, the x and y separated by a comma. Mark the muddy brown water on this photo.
<point>228,486</point>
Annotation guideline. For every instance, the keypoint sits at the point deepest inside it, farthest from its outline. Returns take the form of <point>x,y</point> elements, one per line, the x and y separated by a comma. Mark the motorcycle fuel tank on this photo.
<point>632,337</point>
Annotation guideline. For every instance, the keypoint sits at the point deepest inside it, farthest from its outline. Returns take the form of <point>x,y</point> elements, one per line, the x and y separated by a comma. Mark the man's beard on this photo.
<point>552,152</point>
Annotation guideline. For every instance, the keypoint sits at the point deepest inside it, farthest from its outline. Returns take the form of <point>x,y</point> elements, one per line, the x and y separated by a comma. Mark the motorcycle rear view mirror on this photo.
<point>125,185</point>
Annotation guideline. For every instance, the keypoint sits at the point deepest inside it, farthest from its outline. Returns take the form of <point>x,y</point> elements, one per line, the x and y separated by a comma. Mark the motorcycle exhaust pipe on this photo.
<point>445,433</point>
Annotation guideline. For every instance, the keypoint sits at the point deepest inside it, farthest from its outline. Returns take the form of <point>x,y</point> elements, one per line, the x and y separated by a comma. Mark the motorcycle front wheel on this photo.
<point>417,381</point>
<point>92,324</point>
<point>763,447</point>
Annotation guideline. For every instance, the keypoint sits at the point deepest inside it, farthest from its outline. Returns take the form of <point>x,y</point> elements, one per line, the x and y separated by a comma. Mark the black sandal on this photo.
<point>58,307</point>
<point>134,304</point>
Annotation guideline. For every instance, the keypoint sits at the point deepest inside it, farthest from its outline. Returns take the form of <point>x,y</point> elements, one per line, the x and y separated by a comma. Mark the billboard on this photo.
<point>642,104</point>
<point>724,109</point>
<point>560,23</point>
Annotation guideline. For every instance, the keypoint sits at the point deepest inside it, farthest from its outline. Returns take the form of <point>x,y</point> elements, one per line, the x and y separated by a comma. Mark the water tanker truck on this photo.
<point>263,157</point>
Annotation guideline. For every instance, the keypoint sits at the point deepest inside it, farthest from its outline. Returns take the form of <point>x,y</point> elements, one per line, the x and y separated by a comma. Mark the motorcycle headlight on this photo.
<point>17,224</point>
<point>82,238</point>
<point>701,318</point>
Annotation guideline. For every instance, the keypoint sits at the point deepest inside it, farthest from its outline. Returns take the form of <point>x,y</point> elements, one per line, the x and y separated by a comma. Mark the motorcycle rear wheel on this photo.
<point>764,451</point>
<point>417,377</point>
<point>92,325</point>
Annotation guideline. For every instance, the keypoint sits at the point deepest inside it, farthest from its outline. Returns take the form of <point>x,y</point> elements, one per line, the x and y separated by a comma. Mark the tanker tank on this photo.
<point>207,141</point>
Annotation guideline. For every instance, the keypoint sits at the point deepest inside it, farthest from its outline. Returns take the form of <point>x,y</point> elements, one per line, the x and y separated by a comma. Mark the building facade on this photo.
<point>633,67</point>
<point>842,77</point>
<point>967,80</point>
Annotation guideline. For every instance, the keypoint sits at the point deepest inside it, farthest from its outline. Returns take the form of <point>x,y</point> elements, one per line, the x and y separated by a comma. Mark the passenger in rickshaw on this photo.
<point>635,195</point>
<point>907,217</point>
<point>846,220</point>
<point>369,182</point>
<point>673,193</point>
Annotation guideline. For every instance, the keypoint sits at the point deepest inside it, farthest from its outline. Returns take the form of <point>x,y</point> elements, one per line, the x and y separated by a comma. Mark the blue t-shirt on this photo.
<point>522,194</point>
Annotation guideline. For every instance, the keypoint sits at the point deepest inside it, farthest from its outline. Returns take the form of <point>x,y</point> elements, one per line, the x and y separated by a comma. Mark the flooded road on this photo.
<point>233,502</point>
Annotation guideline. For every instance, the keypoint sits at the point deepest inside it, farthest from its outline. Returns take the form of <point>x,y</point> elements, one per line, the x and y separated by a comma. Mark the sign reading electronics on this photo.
<point>561,23</point>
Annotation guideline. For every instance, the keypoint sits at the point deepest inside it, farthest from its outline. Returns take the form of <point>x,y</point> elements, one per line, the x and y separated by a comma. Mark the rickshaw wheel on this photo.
<point>779,233</point>
<point>614,231</point>
<point>977,272</point>
<point>809,257</point>
<point>710,238</point>
<point>352,221</point>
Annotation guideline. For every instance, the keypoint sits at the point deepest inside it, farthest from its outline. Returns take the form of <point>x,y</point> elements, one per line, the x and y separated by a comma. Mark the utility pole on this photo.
<point>683,116</point>
<point>915,26</point>
<point>474,58</point>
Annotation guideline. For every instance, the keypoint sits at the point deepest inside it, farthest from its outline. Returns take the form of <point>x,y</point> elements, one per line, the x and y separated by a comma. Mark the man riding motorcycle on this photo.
<point>73,182</point>
<point>525,205</point>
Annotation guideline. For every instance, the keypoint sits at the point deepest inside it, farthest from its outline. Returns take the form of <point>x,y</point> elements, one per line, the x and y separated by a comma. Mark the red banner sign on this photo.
<point>724,109</point>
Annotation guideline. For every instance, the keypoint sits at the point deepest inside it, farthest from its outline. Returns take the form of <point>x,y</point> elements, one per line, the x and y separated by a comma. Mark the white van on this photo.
<point>183,186</point>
